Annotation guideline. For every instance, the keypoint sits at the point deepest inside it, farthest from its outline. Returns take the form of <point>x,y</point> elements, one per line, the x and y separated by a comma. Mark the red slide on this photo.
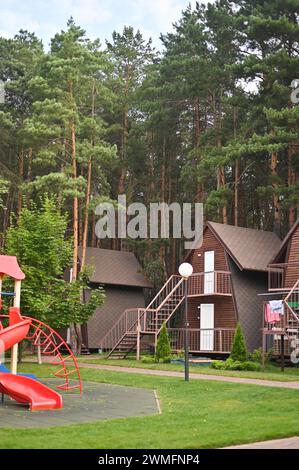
<point>20,388</point>
<point>13,334</point>
<point>29,391</point>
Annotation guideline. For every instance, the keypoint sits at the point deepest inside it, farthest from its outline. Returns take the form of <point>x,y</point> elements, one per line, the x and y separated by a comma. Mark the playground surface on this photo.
<point>99,402</point>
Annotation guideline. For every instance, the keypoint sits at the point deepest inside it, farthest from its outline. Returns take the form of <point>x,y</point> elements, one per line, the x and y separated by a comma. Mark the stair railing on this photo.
<point>291,299</point>
<point>129,319</point>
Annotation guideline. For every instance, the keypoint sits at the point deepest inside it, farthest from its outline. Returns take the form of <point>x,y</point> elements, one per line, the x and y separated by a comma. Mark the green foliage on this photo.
<point>257,356</point>
<point>230,364</point>
<point>38,240</point>
<point>200,120</point>
<point>239,352</point>
<point>4,185</point>
<point>163,351</point>
<point>148,360</point>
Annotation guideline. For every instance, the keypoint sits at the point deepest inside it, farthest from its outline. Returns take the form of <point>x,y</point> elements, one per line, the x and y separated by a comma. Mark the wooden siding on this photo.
<point>224,312</point>
<point>292,256</point>
<point>247,285</point>
<point>210,243</point>
<point>118,298</point>
<point>224,309</point>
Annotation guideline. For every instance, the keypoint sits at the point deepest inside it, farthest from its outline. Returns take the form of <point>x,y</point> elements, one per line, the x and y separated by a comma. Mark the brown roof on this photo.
<point>285,241</point>
<point>250,248</point>
<point>115,267</point>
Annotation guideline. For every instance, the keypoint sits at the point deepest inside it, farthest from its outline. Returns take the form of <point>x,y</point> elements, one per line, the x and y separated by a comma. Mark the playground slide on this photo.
<point>13,334</point>
<point>29,391</point>
<point>25,389</point>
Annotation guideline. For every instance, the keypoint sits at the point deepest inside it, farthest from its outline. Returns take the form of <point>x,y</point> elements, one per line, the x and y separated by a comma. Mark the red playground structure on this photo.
<point>25,389</point>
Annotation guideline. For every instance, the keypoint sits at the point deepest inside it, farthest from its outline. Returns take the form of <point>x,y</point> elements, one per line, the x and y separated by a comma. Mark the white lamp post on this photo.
<point>186,270</point>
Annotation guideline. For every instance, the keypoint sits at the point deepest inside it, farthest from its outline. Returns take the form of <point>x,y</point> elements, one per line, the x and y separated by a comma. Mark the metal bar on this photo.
<point>186,333</point>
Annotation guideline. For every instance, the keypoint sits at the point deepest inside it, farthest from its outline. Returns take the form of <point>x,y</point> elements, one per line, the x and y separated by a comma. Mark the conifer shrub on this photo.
<point>239,351</point>
<point>163,352</point>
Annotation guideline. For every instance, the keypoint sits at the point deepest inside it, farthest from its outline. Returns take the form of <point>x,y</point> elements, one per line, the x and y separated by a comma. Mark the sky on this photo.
<point>98,17</point>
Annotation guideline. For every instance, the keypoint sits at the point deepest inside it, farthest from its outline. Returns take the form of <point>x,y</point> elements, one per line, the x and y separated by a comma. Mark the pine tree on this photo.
<point>239,352</point>
<point>163,350</point>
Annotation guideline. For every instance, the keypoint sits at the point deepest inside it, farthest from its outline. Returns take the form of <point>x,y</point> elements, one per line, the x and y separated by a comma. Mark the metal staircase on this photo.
<point>127,333</point>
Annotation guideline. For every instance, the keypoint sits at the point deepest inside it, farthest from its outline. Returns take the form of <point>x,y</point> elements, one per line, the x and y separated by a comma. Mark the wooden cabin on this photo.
<point>120,274</point>
<point>284,266</point>
<point>230,270</point>
<point>282,336</point>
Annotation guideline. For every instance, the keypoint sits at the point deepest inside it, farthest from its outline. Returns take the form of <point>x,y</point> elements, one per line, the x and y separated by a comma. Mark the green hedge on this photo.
<point>230,364</point>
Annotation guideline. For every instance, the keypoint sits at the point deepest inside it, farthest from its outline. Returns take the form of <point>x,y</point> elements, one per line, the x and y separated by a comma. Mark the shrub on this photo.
<point>238,352</point>
<point>257,356</point>
<point>230,364</point>
<point>163,345</point>
<point>218,365</point>
<point>166,360</point>
<point>148,359</point>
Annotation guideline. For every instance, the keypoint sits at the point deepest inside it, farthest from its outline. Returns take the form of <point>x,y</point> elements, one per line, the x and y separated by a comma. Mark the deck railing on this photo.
<point>210,283</point>
<point>203,340</point>
<point>282,276</point>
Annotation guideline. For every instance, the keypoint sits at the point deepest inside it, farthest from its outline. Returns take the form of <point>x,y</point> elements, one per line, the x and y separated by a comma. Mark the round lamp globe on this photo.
<point>185,270</point>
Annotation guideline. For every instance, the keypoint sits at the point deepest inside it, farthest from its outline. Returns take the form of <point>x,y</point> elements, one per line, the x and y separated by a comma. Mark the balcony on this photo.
<point>217,340</point>
<point>282,276</point>
<point>210,283</point>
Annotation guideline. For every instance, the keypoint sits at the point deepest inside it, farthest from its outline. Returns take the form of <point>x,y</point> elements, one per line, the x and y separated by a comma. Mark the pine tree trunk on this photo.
<point>276,200</point>
<point>86,212</point>
<point>236,193</point>
<point>291,183</point>
<point>124,140</point>
<point>29,173</point>
<point>93,230</point>
<point>237,174</point>
<point>76,342</point>
<point>88,189</point>
<point>75,206</point>
<point>221,183</point>
<point>197,126</point>
<point>21,178</point>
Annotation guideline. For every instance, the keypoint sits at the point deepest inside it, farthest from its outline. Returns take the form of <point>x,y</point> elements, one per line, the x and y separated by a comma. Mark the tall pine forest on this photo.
<point>207,117</point>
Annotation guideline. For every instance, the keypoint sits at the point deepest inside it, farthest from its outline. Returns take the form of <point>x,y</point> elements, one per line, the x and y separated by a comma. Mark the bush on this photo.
<point>148,359</point>
<point>166,359</point>
<point>238,352</point>
<point>257,356</point>
<point>230,364</point>
<point>218,365</point>
<point>163,346</point>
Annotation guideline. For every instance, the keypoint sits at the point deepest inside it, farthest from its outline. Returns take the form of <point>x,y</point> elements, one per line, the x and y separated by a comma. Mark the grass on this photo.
<point>198,414</point>
<point>271,372</point>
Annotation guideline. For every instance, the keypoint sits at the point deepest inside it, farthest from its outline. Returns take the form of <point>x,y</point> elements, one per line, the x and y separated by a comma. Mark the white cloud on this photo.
<point>98,17</point>
<point>85,11</point>
<point>11,22</point>
<point>161,12</point>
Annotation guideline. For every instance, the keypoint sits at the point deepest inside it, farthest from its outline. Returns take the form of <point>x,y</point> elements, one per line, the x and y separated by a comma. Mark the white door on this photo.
<point>209,275</point>
<point>207,327</point>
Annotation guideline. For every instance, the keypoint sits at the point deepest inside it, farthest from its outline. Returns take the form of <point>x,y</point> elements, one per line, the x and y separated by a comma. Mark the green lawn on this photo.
<point>198,414</point>
<point>272,372</point>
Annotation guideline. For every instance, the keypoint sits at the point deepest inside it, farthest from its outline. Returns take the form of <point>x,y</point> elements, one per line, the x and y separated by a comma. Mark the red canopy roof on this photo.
<point>9,266</point>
